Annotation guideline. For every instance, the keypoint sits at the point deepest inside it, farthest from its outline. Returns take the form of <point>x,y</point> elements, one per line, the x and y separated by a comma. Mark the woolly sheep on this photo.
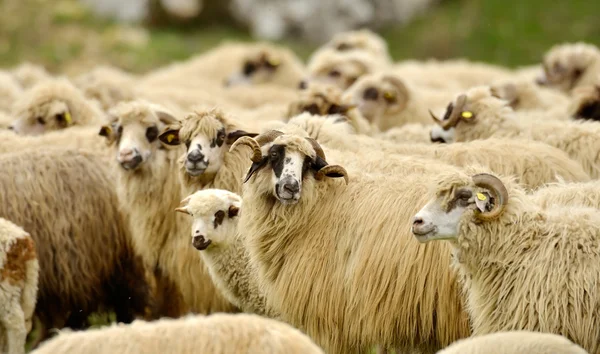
<point>9,92</point>
<point>19,282</point>
<point>340,68</point>
<point>148,187</point>
<point>214,232</point>
<point>522,267</point>
<point>569,194</point>
<point>312,229</point>
<point>218,334</point>
<point>540,164</point>
<point>515,342</point>
<point>53,105</point>
<point>58,196</point>
<point>107,85</point>
<point>477,114</point>
<point>358,40</point>
<point>387,101</point>
<point>524,95</point>
<point>29,74</point>
<point>408,133</point>
<point>569,65</point>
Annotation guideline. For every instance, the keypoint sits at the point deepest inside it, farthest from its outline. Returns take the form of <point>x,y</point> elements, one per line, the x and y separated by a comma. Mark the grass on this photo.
<point>63,36</point>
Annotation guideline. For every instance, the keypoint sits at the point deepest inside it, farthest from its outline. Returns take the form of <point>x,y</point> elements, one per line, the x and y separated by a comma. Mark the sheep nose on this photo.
<point>126,154</point>
<point>291,187</point>
<point>371,94</point>
<point>303,84</point>
<point>129,158</point>
<point>417,221</point>
<point>436,139</point>
<point>195,156</point>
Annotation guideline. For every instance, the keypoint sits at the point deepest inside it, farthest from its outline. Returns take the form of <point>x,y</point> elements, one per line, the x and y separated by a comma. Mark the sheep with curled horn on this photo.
<point>304,226</point>
<point>522,267</point>
<point>477,114</point>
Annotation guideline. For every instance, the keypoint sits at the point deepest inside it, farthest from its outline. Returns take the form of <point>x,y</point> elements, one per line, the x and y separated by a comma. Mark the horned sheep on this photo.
<point>521,267</point>
<point>218,334</point>
<point>289,186</point>
<point>65,200</point>
<point>477,114</point>
<point>19,282</point>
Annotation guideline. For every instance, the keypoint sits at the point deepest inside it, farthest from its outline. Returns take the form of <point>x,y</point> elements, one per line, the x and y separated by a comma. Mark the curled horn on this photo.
<point>267,137</point>
<point>435,119</point>
<point>455,115</point>
<point>256,143</point>
<point>329,170</point>
<point>317,148</point>
<point>494,185</point>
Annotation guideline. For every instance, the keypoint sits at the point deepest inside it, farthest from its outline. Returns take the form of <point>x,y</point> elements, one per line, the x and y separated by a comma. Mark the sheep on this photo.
<point>477,114</point>
<point>19,282</point>
<point>358,40</point>
<point>525,95</point>
<point>107,85</point>
<point>514,342</point>
<point>29,74</point>
<point>53,105</point>
<point>521,267</point>
<point>324,99</point>
<point>341,68</point>
<point>218,334</point>
<point>214,232</point>
<point>540,164</point>
<point>268,64</point>
<point>65,200</point>
<point>387,101</point>
<point>408,133</point>
<point>9,92</point>
<point>312,229</point>
<point>149,190</point>
<point>570,65</point>
<point>569,194</point>
<point>585,102</point>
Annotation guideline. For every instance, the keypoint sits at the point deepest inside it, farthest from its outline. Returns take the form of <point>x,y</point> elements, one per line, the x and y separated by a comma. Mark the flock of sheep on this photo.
<point>310,197</point>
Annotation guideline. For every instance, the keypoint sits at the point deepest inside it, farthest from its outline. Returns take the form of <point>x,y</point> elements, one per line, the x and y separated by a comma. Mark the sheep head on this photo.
<point>320,99</point>
<point>134,130</point>
<point>379,95</point>
<point>206,135</point>
<point>340,69</point>
<point>290,157</point>
<point>482,198</point>
<point>565,65</point>
<point>215,213</point>
<point>258,67</point>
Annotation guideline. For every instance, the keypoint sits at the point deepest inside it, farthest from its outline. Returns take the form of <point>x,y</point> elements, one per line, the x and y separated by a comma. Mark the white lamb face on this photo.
<point>136,142</point>
<point>258,69</point>
<point>439,135</point>
<point>215,214</point>
<point>205,154</point>
<point>54,115</point>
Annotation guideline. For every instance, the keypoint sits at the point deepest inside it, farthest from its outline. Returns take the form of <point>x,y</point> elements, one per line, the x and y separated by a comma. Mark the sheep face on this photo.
<point>319,99</point>
<point>215,213</point>
<point>257,69</point>
<point>43,118</point>
<point>341,72</point>
<point>377,96</point>
<point>484,197</point>
<point>206,136</point>
<point>134,131</point>
<point>282,163</point>
<point>564,65</point>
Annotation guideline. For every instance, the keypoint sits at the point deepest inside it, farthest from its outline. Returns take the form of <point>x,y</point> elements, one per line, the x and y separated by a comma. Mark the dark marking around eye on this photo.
<point>277,157</point>
<point>219,216</point>
<point>219,140</point>
<point>249,68</point>
<point>41,120</point>
<point>461,198</point>
<point>152,133</point>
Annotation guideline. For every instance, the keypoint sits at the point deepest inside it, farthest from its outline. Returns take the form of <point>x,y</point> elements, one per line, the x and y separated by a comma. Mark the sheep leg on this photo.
<point>14,323</point>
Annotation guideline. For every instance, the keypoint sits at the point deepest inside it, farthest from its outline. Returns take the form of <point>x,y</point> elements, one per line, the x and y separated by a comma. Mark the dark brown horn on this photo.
<point>455,115</point>
<point>435,119</point>
<point>317,148</point>
<point>497,188</point>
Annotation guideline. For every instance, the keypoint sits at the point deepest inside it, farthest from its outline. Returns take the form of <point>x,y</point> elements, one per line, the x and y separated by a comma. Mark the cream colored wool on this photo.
<point>358,40</point>
<point>216,334</point>
<point>395,101</point>
<point>54,105</point>
<point>29,75</point>
<point>570,65</point>
<point>149,194</point>
<point>569,194</point>
<point>540,164</point>
<point>9,92</point>
<point>408,133</point>
<point>107,85</point>
<point>527,269</point>
<point>525,95</point>
<point>514,342</point>
<point>19,285</point>
<point>341,68</point>
<point>493,118</point>
<point>316,260</point>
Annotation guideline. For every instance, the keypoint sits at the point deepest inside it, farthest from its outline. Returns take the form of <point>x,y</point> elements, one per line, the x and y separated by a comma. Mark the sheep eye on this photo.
<point>274,154</point>
<point>249,68</point>
<point>151,133</point>
<point>220,139</point>
<point>60,117</point>
<point>219,216</point>
<point>41,120</point>
<point>343,47</point>
<point>335,73</point>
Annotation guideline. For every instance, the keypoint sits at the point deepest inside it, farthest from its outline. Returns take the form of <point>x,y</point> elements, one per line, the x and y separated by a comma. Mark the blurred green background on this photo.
<point>63,36</point>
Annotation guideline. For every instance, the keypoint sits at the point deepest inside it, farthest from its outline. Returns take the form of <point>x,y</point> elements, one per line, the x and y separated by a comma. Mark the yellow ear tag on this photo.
<point>467,115</point>
<point>481,197</point>
<point>273,62</point>
<point>170,138</point>
<point>68,118</point>
<point>388,95</point>
<point>108,130</point>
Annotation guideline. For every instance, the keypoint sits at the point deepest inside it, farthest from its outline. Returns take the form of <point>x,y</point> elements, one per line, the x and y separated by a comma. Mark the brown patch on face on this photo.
<point>15,267</point>
<point>461,199</point>
<point>219,216</point>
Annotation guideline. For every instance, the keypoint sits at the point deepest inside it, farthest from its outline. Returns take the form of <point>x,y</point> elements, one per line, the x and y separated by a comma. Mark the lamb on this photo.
<point>214,233</point>
<point>540,164</point>
<point>29,74</point>
<point>514,342</point>
<point>19,282</point>
<point>9,92</point>
<point>305,227</point>
<point>218,334</point>
<point>387,101</point>
<point>147,187</point>
<point>57,196</point>
<point>358,40</point>
<point>341,68</point>
<point>477,114</point>
<point>570,65</point>
<point>269,64</point>
<point>521,267</point>
<point>53,105</point>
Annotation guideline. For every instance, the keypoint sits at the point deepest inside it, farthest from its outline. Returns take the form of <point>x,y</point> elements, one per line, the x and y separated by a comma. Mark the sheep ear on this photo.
<point>255,167</point>
<point>482,201</point>
<point>170,137</point>
<point>166,117</point>
<point>236,134</point>
<point>233,211</point>
<point>105,131</point>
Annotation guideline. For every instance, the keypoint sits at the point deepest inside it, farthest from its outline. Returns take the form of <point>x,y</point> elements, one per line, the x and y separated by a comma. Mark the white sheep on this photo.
<point>358,40</point>
<point>217,334</point>
<point>525,95</point>
<point>569,194</point>
<point>341,68</point>
<point>29,74</point>
<point>477,114</point>
<point>514,342</point>
<point>19,284</point>
<point>570,65</point>
<point>522,267</point>
<point>304,226</point>
<point>10,90</point>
